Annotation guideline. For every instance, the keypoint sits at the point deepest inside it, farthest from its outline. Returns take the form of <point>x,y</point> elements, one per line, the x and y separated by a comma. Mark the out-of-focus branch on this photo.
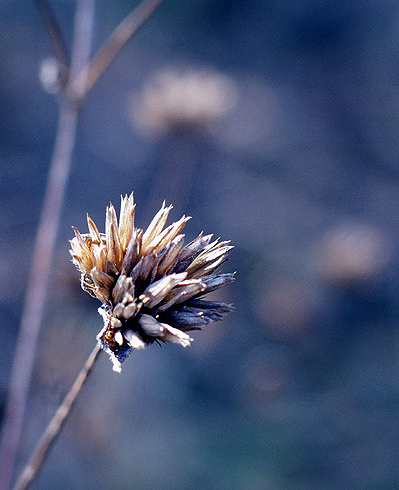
<point>56,39</point>
<point>43,252</point>
<point>53,429</point>
<point>116,41</point>
<point>80,79</point>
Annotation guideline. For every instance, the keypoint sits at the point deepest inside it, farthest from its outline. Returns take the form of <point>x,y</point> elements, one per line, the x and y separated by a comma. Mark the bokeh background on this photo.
<point>274,124</point>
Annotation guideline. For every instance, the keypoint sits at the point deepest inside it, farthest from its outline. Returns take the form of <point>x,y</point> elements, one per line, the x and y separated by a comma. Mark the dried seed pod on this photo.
<point>147,280</point>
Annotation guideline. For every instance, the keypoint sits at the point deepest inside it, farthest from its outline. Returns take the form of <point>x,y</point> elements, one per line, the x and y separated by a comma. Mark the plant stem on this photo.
<point>81,78</point>
<point>35,297</point>
<point>32,312</point>
<point>53,429</point>
<point>116,41</point>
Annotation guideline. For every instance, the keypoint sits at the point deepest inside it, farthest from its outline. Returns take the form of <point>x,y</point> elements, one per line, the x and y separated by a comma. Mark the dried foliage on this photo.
<point>150,284</point>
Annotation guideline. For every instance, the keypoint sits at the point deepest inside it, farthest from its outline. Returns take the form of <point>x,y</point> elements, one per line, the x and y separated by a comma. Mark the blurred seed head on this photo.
<point>183,99</point>
<point>150,285</point>
<point>352,253</point>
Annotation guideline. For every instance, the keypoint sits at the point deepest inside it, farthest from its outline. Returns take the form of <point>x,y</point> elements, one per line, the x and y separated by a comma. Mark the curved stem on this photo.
<point>53,429</point>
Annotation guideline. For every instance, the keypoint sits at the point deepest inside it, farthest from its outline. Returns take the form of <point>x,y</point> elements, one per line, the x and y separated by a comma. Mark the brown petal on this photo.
<point>95,235</point>
<point>126,220</point>
<point>169,259</point>
<point>101,279</point>
<point>144,267</point>
<point>159,242</point>
<point>100,257</point>
<point>132,252</point>
<point>81,254</point>
<point>190,251</point>
<point>122,286</point>
<point>114,251</point>
<point>103,295</point>
<point>185,290</point>
<point>156,225</point>
<point>156,292</point>
<point>210,258</point>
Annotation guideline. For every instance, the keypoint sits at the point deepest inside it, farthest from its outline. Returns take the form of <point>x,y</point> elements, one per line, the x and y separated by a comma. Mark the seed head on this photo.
<point>149,283</point>
<point>183,99</point>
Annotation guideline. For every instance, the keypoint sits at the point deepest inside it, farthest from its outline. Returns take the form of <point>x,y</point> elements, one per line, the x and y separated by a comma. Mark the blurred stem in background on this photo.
<point>75,84</point>
<point>44,246</point>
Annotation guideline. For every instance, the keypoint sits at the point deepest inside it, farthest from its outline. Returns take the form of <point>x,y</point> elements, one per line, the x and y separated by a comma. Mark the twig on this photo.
<point>116,41</point>
<point>43,252</point>
<point>81,79</point>
<point>56,39</point>
<point>35,295</point>
<point>53,429</point>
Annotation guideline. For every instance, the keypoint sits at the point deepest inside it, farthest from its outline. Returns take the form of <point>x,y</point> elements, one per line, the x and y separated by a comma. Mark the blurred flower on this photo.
<point>352,252</point>
<point>183,99</point>
<point>149,283</point>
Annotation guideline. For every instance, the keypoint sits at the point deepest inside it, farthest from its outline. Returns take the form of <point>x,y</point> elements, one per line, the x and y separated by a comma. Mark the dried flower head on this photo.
<point>150,284</point>
<point>183,99</point>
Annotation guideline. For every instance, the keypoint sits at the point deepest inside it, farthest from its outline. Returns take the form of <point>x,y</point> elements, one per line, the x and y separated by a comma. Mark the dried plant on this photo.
<point>151,288</point>
<point>150,284</point>
<point>183,99</point>
<point>72,76</point>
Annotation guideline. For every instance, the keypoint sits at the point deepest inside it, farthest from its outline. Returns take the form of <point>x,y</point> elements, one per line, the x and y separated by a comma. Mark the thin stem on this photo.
<point>116,41</point>
<point>81,49</point>
<point>53,429</point>
<point>41,262</point>
<point>82,77</point>
<point>35,296</point>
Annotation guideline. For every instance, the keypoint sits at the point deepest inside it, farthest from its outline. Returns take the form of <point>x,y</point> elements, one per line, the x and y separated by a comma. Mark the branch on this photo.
<point>82,77</point>
<point>53,429</point>
<point>42,256</point>
<point>56,38</point>
<point>116,41</point>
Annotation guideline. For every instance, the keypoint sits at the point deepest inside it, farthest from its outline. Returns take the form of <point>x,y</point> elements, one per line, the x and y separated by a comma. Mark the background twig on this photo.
<point>116,41</point>
<point>43,252</point>
<point>81,78</point>
<point>56,39</point>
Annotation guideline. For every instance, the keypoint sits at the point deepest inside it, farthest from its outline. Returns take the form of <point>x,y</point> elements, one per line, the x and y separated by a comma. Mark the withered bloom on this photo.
<point>150,284</point>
